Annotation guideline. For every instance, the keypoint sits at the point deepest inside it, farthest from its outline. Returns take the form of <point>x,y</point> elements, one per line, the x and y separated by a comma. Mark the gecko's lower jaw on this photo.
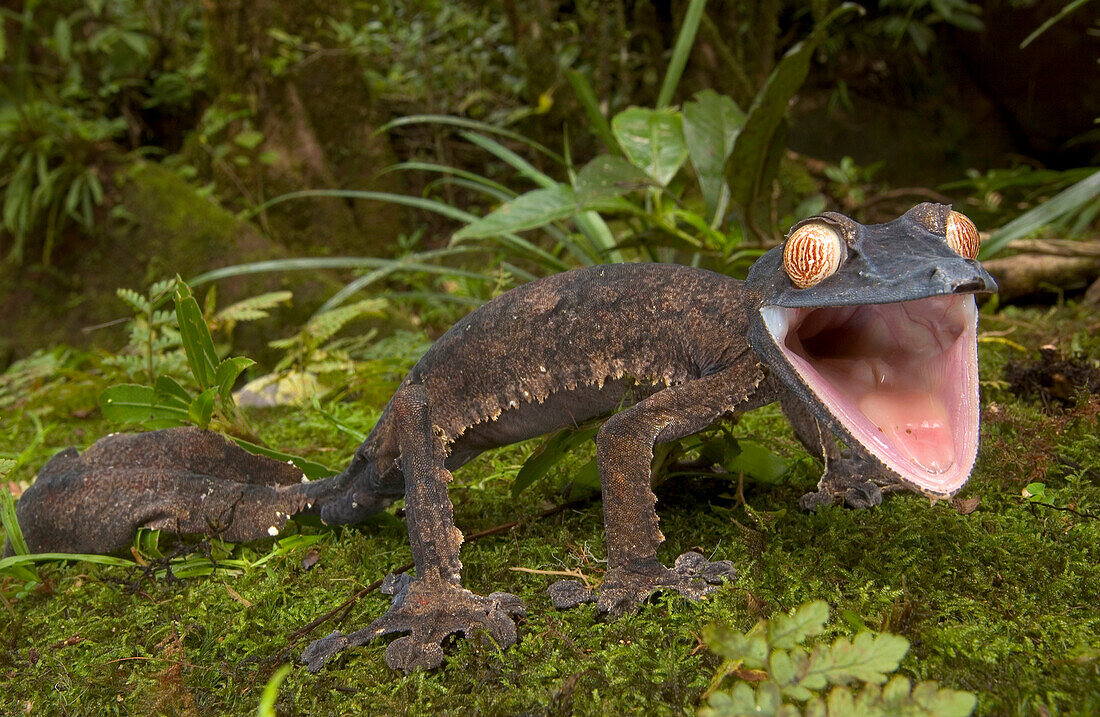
<point>901,378</point>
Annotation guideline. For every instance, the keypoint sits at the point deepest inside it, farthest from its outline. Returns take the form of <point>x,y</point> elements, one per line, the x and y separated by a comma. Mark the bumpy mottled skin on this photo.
<point>669,342</point>
<point>666,346</point>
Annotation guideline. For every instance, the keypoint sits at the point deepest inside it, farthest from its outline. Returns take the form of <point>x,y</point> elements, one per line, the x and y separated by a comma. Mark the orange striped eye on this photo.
<point>813,252</point>
<point>962,236</point>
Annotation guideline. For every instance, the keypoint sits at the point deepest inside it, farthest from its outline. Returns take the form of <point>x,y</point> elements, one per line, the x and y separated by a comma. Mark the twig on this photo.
<point>564,573</point>
<point>1068,510</point>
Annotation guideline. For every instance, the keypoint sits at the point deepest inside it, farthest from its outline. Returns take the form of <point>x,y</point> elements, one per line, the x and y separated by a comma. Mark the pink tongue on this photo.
<point>916,423</point>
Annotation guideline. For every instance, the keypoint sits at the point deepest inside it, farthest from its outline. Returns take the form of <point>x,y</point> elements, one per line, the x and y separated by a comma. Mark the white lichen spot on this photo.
<point>512,404</point>
<point>542,369</point>
<point>304,479</point>
<point>273,531</point>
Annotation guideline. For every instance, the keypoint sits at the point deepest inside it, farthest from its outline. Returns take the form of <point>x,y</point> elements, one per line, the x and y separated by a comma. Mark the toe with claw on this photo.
<point>429,610</point>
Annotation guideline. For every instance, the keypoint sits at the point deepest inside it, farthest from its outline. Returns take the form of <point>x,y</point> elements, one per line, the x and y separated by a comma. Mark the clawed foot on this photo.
<point>430,610</point>
<point>854,482</point>
<point>622,591</point>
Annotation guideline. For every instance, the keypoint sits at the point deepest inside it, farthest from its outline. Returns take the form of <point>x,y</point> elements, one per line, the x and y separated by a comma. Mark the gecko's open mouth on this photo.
<point>902,378</point>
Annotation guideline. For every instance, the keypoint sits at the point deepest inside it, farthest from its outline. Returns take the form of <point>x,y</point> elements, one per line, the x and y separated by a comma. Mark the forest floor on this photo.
<point>997,595</point>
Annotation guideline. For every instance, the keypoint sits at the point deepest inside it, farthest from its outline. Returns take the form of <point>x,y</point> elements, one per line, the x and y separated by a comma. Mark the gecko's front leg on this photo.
<point>848,478</point>
<point>624,453</point>
<point>433,605</point>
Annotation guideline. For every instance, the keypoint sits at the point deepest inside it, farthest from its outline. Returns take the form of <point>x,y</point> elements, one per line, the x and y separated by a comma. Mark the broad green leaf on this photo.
<point>547,455</point>
<point>198,344</point>
<point>227,374</point>
<point>788,631</point>
<point>711,125</point>
<point>754,150</point>
<point>202,407</point>
<point>653,140</point>
<point>760,463</point>
<point>527,211</point>
<point>131,403</point>
<point>168,392</point>
<point>606,177</point>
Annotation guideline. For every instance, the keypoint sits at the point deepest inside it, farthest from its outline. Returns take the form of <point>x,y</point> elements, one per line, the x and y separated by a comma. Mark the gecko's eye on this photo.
<point>962,236</point>
<point>813,252</point>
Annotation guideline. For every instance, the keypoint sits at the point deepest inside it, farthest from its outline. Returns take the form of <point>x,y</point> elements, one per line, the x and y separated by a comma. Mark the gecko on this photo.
<point>866,335</point>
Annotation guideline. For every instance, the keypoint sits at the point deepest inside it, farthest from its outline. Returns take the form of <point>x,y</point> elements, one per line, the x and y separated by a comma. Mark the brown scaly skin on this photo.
<point>670,343</point>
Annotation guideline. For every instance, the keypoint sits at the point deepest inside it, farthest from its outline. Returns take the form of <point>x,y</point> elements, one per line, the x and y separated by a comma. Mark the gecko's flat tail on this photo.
<point>183,480</point>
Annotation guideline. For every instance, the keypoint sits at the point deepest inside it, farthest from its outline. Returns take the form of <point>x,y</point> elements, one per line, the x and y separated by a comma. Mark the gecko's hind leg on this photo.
<point>433,605</point>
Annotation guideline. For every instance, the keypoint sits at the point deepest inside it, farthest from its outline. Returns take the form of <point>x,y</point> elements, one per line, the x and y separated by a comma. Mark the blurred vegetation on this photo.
<point>340,181</point>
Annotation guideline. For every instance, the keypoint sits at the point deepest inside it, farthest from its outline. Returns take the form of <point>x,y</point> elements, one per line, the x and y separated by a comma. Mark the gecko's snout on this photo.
<point>962,278</point>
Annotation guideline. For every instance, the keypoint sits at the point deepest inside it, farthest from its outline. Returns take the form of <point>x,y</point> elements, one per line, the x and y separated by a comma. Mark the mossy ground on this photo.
<point>1003,601</point>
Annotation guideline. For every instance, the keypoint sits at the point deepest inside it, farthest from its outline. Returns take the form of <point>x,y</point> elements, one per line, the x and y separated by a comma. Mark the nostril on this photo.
<point>970,285</point>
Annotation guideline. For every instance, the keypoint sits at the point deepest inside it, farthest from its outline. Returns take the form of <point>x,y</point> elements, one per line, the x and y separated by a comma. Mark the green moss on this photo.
<point>1001,601</point>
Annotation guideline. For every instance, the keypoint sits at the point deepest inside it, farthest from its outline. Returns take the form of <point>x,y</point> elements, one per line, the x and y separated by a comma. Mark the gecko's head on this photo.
<point>875,328</point>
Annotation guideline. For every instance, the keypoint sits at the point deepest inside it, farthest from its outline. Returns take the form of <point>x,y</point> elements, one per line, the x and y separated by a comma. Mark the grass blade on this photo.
<point>680,52</point>
<point>591,106</point>
<point>1066,201</point>
<point>475,125</point>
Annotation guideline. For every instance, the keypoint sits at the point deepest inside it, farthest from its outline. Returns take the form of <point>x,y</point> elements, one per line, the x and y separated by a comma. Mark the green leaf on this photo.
<point>547,455</point>
<point>309,468</point>
<point>34,558</point>
<point>653,140</point>
<point>11,522</point>
<point>250,139</point>
<point>607,176</point>
<point>131,403</point>
<point>750,650</point>
<point>63,38</point>
<point>753,150</point>
<point>527,211</point>
<point>227,374</point>
<point>757,461</point>
<point>582,88</point>
<point>943,702</point>
<point>266,707</point>
<point>867,658</point>
<point>202,407</point>
<point>1068,200</point>
<point>788,631</point>
<point>685,40</point>
<point>198,344</point>
<point>167,391</point>
<point>711,125</point>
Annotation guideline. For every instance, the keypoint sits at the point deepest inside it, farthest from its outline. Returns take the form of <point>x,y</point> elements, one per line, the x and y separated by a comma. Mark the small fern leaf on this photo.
<point>867,658</point>
<point>136,301</point>
<point>787,631</point>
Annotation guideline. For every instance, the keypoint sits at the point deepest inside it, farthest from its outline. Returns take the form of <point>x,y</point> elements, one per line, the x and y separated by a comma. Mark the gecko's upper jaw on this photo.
<point>901,378</point>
